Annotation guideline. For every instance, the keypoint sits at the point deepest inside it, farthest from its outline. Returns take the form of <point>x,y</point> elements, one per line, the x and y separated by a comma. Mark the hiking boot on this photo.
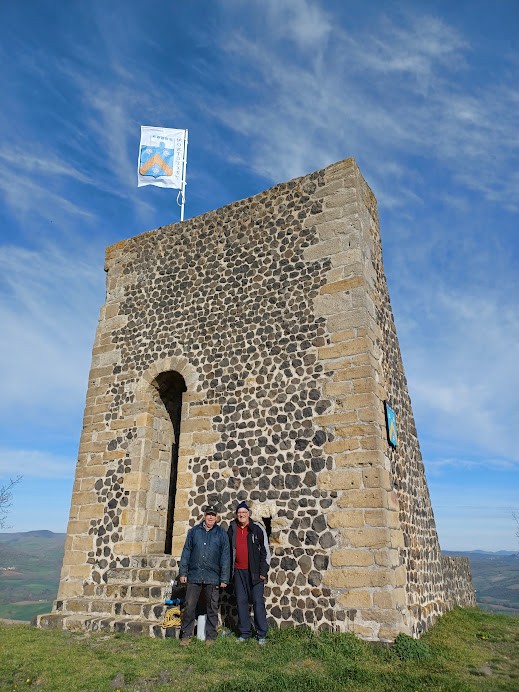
<point>185,641</point>
<point>209,642</point>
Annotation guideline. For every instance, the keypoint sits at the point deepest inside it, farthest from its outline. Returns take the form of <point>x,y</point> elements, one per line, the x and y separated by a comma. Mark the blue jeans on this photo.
<point>246,594</point>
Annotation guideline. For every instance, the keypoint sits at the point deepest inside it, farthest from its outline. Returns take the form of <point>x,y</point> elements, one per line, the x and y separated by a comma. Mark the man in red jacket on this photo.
<point>250,563</point>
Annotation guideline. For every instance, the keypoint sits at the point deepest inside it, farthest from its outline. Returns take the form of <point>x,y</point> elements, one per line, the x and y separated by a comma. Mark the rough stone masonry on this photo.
<point>247,354</point>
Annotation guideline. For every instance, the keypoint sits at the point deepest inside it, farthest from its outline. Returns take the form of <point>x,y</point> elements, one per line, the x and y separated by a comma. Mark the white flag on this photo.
<point>161,157</point>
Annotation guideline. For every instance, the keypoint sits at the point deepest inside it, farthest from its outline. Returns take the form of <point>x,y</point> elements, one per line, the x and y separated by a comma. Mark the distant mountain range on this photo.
<point>30,565</point>
<point>482,552</point>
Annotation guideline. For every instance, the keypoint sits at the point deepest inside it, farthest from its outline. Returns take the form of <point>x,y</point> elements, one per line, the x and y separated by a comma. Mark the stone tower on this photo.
<point>249,353</point>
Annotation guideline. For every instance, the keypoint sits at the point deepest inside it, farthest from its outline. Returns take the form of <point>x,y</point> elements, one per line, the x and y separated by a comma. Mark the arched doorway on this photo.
<point>171,385</point>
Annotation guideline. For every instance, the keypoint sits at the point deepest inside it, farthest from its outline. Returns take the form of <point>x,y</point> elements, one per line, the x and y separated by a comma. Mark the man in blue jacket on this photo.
<point>204,564</point>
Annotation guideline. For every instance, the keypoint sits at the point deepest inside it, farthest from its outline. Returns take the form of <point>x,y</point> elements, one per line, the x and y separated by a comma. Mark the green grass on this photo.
<point>466,650</point>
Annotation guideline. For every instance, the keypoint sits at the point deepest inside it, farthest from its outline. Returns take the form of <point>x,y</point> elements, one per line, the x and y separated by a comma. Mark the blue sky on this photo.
<point>425,96</point>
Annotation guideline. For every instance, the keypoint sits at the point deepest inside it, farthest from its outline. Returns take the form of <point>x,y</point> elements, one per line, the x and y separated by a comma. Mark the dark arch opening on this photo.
<point>171,386</point>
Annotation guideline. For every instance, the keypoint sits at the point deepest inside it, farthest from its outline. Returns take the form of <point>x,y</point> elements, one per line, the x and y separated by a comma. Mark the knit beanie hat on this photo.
<point>243,505</point>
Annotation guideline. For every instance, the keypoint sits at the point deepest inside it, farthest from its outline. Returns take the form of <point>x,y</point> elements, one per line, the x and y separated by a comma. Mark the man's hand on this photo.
<point>183,580</point>
<point>262,578</point>
<point>223,585</point>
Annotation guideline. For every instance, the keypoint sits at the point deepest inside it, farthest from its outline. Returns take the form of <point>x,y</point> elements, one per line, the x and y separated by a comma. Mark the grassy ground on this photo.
<point>466,650</point>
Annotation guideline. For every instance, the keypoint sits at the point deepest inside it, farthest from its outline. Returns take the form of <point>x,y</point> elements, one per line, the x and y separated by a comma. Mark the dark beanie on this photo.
<point>243,505</point>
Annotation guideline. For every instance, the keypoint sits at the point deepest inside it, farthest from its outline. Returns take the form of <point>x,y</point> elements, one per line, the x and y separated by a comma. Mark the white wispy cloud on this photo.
<point>461,365</point>
<point>31,463</point>
<point>398,87</point>
<point>49,300</point>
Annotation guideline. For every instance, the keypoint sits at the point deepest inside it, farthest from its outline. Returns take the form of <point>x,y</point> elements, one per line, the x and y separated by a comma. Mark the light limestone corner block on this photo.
<point>387,557</point>
<point>92,511</point>
<point>69,589</point>
<point>329,188</point>
<point>363,458</point>
<point>78,526</point>
<point>344,335</point>
<point>397,538</point>
<point>359,401</point>
<point>368,498</point>
<point>392,598</point>
<point>324,249</point>
<point>339,445</point>
<point>333,304</point>
<point>84,543</point>
<point>82,572</point>
<point>352,578</point>
<point>378,517</point>
<point>356,598</point>
<point>368,631</point>
<point>366,385</point>
<point>377,442</point>
<point>346,348</point>
<point>376,478</point>
<point>332,419</point>
<point>334,275</point>
<point>346,557</point>
<point>108,358</point>
<point>383,616</point>
<point>343,285</point>
<point>357,430</point>
<point>323,217</point>
<point>393,502</point>
<point>388,633</point>
<point>347,518</point>
<point>76,557</point>
<point>369,537</point>
<point>339,480</point>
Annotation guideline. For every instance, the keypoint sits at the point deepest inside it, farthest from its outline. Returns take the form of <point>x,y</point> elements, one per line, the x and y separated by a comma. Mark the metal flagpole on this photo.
<point>183,190</point>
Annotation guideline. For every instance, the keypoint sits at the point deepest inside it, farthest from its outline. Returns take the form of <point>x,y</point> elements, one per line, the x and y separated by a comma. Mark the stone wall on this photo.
<point>274,312</point>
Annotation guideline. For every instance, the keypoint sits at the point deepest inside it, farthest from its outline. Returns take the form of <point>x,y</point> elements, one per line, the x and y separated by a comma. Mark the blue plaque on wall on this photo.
<point>392,435</point>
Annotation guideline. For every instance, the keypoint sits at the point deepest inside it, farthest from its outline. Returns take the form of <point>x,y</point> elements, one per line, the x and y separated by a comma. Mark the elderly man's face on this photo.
<point>210,520</point>
<point>243,517</point>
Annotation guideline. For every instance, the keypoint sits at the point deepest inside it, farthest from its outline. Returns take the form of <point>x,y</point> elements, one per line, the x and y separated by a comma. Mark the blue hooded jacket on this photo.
<point>205,558</point>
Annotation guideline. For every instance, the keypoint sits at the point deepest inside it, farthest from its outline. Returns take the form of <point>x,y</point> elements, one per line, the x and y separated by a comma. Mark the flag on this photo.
<point>161,157</point>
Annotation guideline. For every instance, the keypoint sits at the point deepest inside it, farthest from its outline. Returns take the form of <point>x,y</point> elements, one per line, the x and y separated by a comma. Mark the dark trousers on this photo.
<point>246,594</point>
<point>212,597</point>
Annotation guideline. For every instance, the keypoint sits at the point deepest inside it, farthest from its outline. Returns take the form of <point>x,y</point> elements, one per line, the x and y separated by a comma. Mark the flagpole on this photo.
<point>183,189</point>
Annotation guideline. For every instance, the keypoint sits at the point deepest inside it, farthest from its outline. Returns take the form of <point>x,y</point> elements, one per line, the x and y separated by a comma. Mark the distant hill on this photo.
<point>496,579</point>
<point>30,565</point>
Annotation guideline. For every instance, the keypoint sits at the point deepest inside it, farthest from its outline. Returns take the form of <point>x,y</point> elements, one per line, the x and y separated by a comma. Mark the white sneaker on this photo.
<point>262,641</point>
